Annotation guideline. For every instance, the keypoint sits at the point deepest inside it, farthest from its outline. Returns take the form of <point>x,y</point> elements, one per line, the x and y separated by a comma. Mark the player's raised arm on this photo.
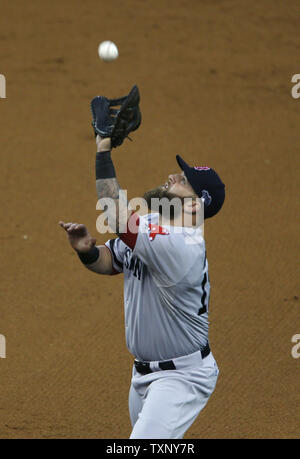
<point>96,258</point>
<point>108,187</point>
<point>111,127</point>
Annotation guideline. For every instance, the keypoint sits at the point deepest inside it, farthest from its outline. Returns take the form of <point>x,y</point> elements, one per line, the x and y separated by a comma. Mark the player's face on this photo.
<point>178,185</point>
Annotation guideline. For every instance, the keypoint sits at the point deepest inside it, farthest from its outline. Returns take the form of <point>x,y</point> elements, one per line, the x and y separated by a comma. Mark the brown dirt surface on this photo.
<point>215,82</point>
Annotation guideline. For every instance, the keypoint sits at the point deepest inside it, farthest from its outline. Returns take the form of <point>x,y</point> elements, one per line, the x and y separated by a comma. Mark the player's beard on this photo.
<point>160,193</point>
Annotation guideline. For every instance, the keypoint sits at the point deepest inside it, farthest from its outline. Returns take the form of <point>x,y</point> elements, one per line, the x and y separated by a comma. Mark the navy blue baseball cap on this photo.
<point>206,184</point>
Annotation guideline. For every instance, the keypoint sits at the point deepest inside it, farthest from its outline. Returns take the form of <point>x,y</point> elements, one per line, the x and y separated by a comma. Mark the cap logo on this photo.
<point>203,168</point>
<point>206,197</point>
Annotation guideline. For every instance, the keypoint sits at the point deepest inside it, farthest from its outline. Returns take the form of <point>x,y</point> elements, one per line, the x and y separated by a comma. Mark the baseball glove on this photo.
<point>116,123</point>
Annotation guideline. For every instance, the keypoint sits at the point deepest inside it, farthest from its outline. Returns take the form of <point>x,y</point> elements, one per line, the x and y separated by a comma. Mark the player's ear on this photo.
<point>192,206</point>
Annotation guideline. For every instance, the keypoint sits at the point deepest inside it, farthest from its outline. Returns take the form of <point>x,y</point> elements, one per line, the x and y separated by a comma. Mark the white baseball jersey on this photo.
<point>166,290</point>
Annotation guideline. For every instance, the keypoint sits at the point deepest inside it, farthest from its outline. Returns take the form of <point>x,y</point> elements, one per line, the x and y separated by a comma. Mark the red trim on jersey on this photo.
<point>130,237</point>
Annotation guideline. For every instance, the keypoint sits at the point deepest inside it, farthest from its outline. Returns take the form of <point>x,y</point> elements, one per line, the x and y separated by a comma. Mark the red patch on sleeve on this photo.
<point>130,237</point>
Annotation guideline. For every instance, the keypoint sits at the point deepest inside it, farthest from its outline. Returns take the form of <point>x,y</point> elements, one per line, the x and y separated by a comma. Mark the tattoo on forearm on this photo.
<point>107,188</point>
<point>117,216</point>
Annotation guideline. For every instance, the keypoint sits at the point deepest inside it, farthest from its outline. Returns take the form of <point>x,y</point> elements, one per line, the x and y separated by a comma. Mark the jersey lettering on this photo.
<point>133,263</point>
<point>203,309</point>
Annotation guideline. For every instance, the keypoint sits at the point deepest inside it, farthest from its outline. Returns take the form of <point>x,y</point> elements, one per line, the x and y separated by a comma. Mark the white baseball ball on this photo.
<point>108,51</point>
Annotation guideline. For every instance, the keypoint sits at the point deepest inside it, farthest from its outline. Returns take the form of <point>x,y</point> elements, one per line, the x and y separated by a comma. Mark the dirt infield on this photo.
<point>215,81</point>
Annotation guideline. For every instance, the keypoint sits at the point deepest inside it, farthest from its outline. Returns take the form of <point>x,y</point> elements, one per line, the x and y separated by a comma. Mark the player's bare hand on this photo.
<point>103,144</point>
<point>79,237</point>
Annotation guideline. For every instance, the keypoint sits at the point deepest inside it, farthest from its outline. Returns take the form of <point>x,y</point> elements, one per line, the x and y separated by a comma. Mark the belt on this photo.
<point>144,367</point>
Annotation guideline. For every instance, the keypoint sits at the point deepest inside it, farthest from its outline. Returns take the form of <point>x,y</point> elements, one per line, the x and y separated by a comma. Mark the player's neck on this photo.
<point>184,220</point>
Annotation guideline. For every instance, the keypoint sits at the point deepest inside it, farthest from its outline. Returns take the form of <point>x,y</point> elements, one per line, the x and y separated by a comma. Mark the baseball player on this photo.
<point>166,281</point>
